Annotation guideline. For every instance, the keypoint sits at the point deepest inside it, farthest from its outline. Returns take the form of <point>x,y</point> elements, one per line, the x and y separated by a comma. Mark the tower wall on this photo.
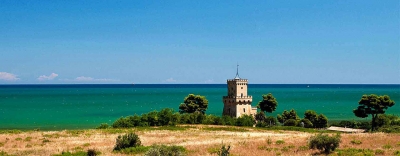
<point>238,102</point>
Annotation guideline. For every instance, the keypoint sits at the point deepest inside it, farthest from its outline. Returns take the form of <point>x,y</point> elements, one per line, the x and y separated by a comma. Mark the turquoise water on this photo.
<point>54,107</point>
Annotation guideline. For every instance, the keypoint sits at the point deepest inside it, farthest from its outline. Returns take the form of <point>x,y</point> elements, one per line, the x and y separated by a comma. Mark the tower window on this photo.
<point>244,109</point>
<point>242,87</point>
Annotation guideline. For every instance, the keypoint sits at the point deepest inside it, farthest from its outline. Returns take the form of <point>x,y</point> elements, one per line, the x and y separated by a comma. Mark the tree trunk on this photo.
<point>373,122</point>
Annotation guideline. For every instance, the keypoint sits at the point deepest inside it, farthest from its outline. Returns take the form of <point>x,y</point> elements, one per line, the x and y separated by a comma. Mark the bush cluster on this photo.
<point>352,124</point>
<point>167,117</point>
<point>161,150</point>
<point>126,141</point>
<point>324,142</point>
<point>385,123</point>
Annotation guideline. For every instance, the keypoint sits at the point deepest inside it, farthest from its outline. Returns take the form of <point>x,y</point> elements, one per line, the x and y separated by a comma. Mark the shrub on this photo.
<point>224,151</point>
<point>270,120</point>
<point>161,150</point>
<point>228,120</point>
<point>92,152</point>
<point>245,120</point>
<point>389,129</point>
<point>134,120</point>
<point>397,153</point>
<point>165,117</point>
<point>127,140</point>
<point>290,122</point>
<point>307,123</point>
<point>261,124</point>
<point>103,126</point>
<point>324,142</point>
<point>286,115</point>
<point>121,123</point>
<point>210,120</point>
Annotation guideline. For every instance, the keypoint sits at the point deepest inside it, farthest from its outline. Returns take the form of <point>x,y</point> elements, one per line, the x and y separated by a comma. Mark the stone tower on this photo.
<point>237,102</point>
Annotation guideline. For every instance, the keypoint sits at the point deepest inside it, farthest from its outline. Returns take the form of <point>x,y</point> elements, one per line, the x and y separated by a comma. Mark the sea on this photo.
<point>85,106</point>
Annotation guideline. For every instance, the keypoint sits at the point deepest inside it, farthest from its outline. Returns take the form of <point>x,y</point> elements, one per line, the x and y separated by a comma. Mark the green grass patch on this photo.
<point>18,139</point>
<point>45,141</point>
<point>387,146</point>
<point>13,131</point>
<point>396,153</point>
<point>1,144</point>
<point>28,139</point>
<point>86,144</point>
<point>213,150</point>
<point>303,148</point>
<point>55,135</point>
<point>116,130</point>
<point>232,129</point>
<point>2,153</point>
<point>356,142</point>
<point>279,142</point>
<point>75,132</point>
<point>379,152</point>
<point>134,150</point>
<point>354,151</point>
<point>267,148</point>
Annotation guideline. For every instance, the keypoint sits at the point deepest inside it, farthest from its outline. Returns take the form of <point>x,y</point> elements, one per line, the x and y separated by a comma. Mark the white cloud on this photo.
<point>83,78</point>
<point>8,76</point>
<point>170,80</point>
<point>50,77</point>
<point>209,81</point>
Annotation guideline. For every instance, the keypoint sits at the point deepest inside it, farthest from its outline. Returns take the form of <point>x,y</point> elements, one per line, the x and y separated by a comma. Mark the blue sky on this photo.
<point>57,42</point>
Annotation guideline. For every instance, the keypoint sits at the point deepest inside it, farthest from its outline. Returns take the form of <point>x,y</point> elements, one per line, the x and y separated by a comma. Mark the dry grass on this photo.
<point>199,140</point>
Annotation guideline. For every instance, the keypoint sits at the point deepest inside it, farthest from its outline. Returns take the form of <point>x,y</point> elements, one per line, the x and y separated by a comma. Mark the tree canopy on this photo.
<point>374,105</point>
<point>318,121</point>
<point>268,104</point>
<point>288,115</point>
<point>194,103</point>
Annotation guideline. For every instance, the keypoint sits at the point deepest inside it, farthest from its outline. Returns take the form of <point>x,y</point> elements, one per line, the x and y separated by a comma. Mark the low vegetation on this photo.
<point>324,142</point>
<point>126,141</point>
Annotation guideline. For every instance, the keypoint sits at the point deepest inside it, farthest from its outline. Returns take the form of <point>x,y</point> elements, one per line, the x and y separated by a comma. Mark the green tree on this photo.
<point>286,115</point>
<point>260,116</point>
<point>194,103</point>
<point>322,121</point>
<point>374,105</point>
<point>311,115</point>
<point>268,104</point>
<point>318,121</point>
